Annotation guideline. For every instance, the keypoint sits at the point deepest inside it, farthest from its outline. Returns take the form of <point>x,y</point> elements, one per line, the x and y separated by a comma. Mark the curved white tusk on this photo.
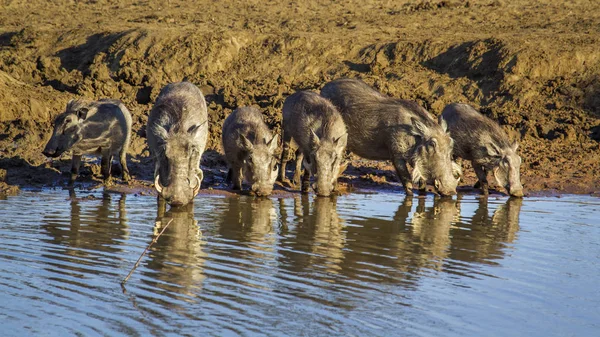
<point>157,184</point>
<point>197,188</point>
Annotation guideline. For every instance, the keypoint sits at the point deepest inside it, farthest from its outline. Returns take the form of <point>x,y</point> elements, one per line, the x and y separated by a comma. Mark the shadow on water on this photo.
<point>175,262</point>
<point>90,235</point>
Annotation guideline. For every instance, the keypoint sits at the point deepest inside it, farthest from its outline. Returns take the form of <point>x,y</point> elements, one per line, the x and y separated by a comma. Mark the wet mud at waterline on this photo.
<point>533,67</point>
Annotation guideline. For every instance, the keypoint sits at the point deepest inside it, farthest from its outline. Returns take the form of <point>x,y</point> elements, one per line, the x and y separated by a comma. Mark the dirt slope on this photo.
<point>533,66</point>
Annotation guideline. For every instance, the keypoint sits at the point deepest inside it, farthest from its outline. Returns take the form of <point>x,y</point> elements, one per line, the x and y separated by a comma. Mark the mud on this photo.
<point>533,66</point>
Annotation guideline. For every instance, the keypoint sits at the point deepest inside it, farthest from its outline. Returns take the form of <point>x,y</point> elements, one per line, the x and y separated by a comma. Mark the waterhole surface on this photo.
<point>358,265</point>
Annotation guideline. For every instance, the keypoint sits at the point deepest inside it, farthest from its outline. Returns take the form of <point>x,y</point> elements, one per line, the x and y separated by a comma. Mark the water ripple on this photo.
<point>358,265</point>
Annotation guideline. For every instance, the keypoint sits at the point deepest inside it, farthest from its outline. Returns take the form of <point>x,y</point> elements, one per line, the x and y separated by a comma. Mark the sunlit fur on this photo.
<point>483,142</point>
<point>92,127</point>
<point>250,150</point>
<point>177,132</point>
<point>385,128</point>
<point>313,125</point>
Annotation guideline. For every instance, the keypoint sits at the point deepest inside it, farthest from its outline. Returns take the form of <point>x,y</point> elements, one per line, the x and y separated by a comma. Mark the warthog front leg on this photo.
<point>75,163</point>
<point>285,156</point>
<point>237,177</point>
<point>403,175</point>
<point>298,170</point>
<point>105,165</point>
<point>306,181</point>
<point>481,173</point>
<point>123,162</point>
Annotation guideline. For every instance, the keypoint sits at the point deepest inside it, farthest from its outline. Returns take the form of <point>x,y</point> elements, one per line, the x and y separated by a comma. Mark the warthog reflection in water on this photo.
<point>418,237</point>
<point>317,230</point>
<point>94,224</point>
<point>177,258</point>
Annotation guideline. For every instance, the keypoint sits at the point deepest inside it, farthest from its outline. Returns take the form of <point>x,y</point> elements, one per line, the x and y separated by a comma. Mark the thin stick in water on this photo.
<point>144,253</point>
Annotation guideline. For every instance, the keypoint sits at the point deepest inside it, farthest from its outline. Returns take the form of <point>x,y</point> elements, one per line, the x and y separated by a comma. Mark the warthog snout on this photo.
<point>444,191</point>
<point>50,153</point>
<point>516,192</point>
<point>262,190</point>
<point>52,150</point>
<point>173,195</point>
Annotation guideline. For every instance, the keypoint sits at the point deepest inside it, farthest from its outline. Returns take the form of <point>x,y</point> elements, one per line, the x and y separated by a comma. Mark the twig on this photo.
<point>144,253</point>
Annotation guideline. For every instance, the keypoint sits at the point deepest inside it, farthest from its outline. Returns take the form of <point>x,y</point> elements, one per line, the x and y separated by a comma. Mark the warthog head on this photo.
<point>432,158</point>
<point>177,173</point>
<point>67,129</point>
<point>508,168</point>
<point>326,162</point>
<point>260,164</point>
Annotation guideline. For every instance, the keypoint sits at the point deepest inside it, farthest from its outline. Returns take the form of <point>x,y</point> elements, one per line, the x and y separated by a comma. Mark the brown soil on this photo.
<point>532,65</point>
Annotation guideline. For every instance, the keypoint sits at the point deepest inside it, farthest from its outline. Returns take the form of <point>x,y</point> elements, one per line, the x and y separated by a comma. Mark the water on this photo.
<point>361,265</point>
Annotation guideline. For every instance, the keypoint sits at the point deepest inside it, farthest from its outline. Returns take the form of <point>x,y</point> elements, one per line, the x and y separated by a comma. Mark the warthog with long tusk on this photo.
<point>177,131</point>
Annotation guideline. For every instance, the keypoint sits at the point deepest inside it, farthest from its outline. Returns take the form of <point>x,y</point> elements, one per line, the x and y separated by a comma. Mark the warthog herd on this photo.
<point>346,115</point>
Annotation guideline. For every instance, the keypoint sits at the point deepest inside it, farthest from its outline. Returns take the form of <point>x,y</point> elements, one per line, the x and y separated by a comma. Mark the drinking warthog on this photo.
<point>483,142</point>
<point>313,125</point>
<point>92,127</point>
<point>250,150</point>
<point>385,128</point>
<point>177,131</point>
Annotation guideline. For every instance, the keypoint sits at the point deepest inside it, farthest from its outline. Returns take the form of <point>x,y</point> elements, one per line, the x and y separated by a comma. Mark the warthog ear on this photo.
<point>419,128</point>
<point>515,146</point>
<point>82,113</point>
<point>442,123</point>
<point>272,144</point>
<point>417,175</point>
<point>195,129</point>
<point>341,140</point>
<point>456,170</point>
<point>343,167</point>
<point>493,150</point>
<point>500,176</point>
<point>314,139</point>
<point>161,133</point>
<point>246,143</point>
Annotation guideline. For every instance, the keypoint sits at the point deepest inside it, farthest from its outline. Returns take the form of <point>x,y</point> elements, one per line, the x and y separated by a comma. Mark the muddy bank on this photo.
<point>533,67</point>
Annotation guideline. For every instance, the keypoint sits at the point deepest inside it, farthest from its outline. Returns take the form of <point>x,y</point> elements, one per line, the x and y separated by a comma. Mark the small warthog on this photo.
<point>92,127</point>
<point>177,131</point>
<point>483,142</point>
<point>250,150</point>
<point>385,128</point>
<point>314,126</point>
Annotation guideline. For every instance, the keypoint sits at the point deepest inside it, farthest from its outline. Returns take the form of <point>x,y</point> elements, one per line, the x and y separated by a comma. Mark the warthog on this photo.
<point>177,131</point>
<point>250,150</point>
<point>314,126</point>
<point>385,128</point>
<point>92,127</point>
<point>483,142</point>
